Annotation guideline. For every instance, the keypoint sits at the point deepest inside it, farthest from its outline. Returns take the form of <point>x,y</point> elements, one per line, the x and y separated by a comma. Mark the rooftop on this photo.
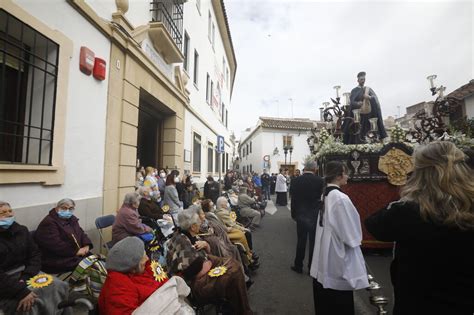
<point>287,123</point>
<point>463,92</point>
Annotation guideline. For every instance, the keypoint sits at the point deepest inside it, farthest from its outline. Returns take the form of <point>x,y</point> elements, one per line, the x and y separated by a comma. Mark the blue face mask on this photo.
<point>7,222</point>
<point>64,214</point>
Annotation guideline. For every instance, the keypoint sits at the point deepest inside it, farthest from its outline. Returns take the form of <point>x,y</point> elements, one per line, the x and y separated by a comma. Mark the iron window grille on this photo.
<point>28,82</point>
<point>170,13</point>
<point>197,153</point>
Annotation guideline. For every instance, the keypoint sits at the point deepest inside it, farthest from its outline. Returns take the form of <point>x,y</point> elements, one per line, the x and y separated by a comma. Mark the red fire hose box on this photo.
<point>99,69</point>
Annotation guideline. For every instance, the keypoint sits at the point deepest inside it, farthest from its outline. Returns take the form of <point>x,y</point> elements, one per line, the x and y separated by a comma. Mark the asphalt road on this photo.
<point>279,290</point>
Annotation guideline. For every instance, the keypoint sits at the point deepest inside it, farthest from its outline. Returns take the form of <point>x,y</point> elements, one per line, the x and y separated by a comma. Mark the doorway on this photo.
<point>149,138</point>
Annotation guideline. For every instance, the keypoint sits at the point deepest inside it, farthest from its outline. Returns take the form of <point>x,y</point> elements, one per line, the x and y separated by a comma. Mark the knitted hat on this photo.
<point>125,255</point>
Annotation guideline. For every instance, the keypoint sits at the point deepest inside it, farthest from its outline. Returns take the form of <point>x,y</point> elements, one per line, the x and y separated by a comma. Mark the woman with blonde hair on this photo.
<point>433,227</point>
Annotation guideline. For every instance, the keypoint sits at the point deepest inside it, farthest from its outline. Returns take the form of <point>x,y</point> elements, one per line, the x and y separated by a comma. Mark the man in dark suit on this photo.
<point>306,191</point>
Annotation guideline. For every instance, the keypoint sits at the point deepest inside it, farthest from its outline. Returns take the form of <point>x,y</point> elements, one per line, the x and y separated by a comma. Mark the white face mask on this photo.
<point>141,178</point>
<point>176,179</point>
<point>162,175</point>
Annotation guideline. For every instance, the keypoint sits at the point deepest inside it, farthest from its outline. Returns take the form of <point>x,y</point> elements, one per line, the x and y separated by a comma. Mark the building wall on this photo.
<point>83,123</point>
<point>201,117</point>
<point>469,103</point>
<point>267,140</point>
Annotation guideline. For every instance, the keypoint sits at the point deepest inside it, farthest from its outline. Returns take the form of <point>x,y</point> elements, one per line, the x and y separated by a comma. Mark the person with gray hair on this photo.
<point>188,256</point>
<point>21,261</point>
<point>305,191</point>
<point>62,241</point>
<point>128,222</point>
<point>148,207</point>
<point>245,203</point>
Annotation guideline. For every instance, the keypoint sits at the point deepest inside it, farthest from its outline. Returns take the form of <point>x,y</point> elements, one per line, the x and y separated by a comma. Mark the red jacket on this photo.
<point>123,293</point>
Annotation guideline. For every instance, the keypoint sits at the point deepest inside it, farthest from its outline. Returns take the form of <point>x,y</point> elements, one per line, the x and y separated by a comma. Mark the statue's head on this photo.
<point>361,78</point>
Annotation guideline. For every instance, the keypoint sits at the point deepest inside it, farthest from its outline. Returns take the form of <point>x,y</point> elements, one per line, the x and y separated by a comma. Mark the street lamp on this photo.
<point>291,151</point>
<point>285,150</point>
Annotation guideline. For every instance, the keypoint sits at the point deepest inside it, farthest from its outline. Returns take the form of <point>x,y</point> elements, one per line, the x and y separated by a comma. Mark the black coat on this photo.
<point>306,191</point>
<point>433,270</point>
<point>211,191</point>
<point>54,237</point>
<point>17,248</point>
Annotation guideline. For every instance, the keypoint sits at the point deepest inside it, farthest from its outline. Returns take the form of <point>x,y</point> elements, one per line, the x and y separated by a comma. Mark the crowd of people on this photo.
<point>167,234</point>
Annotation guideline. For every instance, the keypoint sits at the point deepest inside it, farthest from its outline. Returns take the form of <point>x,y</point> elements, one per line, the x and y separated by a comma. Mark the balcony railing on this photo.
<point>170,13</point>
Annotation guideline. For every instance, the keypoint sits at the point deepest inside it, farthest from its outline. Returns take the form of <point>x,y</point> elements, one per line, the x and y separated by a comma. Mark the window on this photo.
<point>226,161</point>
<point>287,141</point>
<point>28,80</point>
<point>209,25</point>
<point>208,86</point>
<point>250,146</point>
<point>247,149</point>
<point>210,94</point>
<point>223,113</point>
<point>250,168</point>
<point>223,67</point>
<point>196,67</point>
<point>210,158</point>
<point>213,38</point>
<point>226,118</point>
<point>186,51</point>
<point>196,153</point>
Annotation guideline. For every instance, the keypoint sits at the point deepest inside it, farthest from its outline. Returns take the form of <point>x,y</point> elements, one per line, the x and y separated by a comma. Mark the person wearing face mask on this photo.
<point>150,181</point>
<point>148,208</point>
<point>62,241</point>
<point>20,260</point>
<point>161,180</point>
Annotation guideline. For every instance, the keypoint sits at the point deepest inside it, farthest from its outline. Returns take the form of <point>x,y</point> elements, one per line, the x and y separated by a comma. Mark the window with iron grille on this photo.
<point>210,158</point>
<point>28,81</point>
<point>196,152</point>
<point>170,13</point>
<point>186,52</point>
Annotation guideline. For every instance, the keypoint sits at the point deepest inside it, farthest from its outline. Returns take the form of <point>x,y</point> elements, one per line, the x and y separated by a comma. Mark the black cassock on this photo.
<point>357,95</point>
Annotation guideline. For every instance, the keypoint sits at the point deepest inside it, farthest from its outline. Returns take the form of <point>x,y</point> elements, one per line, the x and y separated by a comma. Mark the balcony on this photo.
<point>166,29</point>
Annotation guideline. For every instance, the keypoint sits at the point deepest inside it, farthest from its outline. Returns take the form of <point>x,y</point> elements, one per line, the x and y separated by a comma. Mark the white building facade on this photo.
<point>58,151</point>
<point>210,66</point>
<point>265,146</point>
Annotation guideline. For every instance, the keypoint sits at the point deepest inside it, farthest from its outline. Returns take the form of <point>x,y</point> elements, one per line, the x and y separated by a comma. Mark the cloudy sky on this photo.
<point>301,49</point>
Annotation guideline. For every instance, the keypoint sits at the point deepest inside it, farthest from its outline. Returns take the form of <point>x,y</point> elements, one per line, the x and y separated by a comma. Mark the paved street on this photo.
<point>279,290</point>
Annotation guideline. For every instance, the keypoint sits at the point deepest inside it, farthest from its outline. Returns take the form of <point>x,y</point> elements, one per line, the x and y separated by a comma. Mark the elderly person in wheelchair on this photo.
<point>128,222</point>
<point>211,278</point>
<point>236,232</point>
<point>23,287</point>
<point>136,285</point>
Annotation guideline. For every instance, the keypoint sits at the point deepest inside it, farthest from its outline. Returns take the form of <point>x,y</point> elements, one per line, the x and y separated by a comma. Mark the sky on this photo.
<point>300,50</point>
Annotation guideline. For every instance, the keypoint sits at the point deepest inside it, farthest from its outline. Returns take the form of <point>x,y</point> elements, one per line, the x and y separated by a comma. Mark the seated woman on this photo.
<point>20,261</point>
<point>62,241</point>
<point>148,208</point>
<point>433,227</point>
<point>215,235</point>
<point>220,230</point>
<point>236,232</point>
<point>130,280</point>
<point>186,256</point>
<point>128,222</point>
<point>171,197</point>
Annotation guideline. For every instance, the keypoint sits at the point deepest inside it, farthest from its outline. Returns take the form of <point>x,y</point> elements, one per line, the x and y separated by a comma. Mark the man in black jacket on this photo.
<point>211,189</point>
<point>306,191</point>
